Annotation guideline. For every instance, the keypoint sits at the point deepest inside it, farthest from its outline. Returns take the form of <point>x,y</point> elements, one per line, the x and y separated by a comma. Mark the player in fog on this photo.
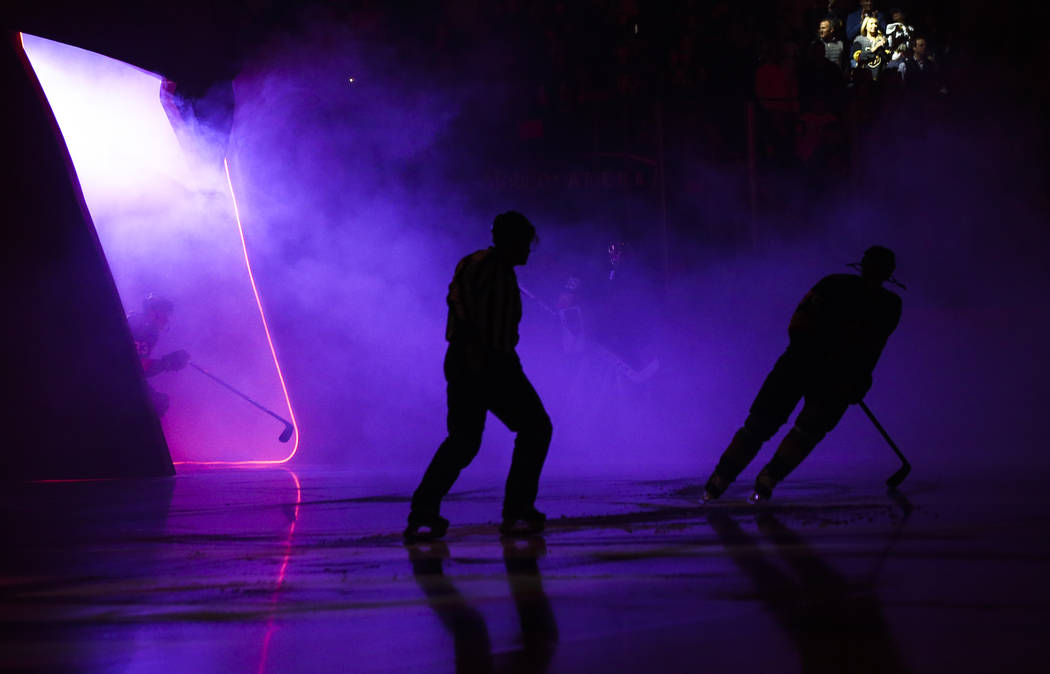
<point>484,374</point>
<point>836,335</point>
<point>146,328</point>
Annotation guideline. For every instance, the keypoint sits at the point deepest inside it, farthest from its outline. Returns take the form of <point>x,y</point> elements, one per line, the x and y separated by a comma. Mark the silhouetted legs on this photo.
<point>818,416</point>
<point>465,422</point>
<point>791,379</point>
<point>522,412</point>
<point>478,383</point>
<point>780,393</point>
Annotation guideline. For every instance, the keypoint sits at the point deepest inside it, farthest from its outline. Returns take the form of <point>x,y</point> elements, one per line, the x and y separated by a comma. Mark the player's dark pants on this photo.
<point>795,376</point>
<point>480,382</point>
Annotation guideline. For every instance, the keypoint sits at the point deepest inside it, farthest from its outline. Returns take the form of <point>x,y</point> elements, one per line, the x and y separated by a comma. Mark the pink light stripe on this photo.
<point>269,340</point>
<point>272,625</point>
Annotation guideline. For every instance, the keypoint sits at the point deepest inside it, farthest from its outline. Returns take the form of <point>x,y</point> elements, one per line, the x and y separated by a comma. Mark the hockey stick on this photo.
<point>894,480</point>
<point>285,435</point>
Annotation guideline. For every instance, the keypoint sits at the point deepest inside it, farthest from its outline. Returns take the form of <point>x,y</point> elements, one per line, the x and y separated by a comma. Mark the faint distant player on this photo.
<point>484,374</point>
<point>146,328</point>
<point>837,334</point>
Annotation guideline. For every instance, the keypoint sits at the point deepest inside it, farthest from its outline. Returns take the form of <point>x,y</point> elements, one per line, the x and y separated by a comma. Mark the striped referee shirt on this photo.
<point>484,302</point>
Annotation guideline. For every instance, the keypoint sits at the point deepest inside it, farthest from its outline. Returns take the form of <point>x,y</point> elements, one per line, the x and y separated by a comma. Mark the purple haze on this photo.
<point>359,197</point>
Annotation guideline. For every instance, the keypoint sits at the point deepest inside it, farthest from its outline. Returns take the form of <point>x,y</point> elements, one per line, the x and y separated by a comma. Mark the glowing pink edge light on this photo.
<point>269,340</point>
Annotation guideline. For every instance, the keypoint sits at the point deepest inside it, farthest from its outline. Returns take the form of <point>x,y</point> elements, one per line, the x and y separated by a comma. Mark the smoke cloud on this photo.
<point>365,172</point>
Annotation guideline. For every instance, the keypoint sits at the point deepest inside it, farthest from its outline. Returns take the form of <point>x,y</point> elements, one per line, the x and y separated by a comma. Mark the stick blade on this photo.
<point>895,480</point>
<point>286,434</point>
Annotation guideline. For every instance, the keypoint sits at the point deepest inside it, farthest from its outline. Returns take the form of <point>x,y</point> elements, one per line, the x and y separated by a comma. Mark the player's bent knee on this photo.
<point>760,431</point>
<point>808,434</point>
<point>464,448</point>
<point>539,429</point>
<point>544,427</point>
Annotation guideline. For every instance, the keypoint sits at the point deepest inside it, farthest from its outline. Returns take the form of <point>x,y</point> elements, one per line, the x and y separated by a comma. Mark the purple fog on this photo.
<point>366,170</point>
<point>362,196</point>
<point>692,170</point>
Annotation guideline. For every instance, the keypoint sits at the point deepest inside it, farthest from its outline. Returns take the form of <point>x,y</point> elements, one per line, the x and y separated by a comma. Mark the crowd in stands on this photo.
<point>612,74</point>
<point>785,86</point>
<point>816,106</point>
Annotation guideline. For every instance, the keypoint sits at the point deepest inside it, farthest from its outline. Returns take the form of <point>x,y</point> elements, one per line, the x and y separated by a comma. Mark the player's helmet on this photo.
<point>512,229</point>
<point>879,262</point>
<point>157,304</point>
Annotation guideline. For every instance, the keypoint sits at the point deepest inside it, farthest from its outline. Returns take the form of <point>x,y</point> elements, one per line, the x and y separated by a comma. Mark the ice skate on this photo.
<point>528,523</point>
<point>425,527</point>
<point>763,491</point>
<point>714,488</point>
<point>758,497</point>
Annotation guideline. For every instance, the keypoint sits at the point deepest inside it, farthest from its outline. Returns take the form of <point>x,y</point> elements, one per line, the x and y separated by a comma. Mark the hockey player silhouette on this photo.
<point>837,334</point>
<point>146,328</point>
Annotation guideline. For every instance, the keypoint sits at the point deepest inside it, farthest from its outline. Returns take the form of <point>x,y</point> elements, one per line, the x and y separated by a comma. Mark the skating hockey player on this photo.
<point>836,336</point>
<point>146,328</point>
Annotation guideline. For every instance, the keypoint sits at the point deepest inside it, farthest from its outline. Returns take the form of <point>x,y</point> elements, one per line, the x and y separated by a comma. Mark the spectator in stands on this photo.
<point>828,38</point>
<point>920,72</point>
<point>854,20</point>
<point>869,50</point>
<point>899,32</point>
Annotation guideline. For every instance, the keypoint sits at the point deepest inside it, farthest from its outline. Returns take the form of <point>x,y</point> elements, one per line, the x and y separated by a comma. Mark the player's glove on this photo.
<point>176,360</point>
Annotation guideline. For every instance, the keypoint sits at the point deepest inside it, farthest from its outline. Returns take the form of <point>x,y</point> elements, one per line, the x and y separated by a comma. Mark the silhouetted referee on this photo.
<point>484,374</point>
